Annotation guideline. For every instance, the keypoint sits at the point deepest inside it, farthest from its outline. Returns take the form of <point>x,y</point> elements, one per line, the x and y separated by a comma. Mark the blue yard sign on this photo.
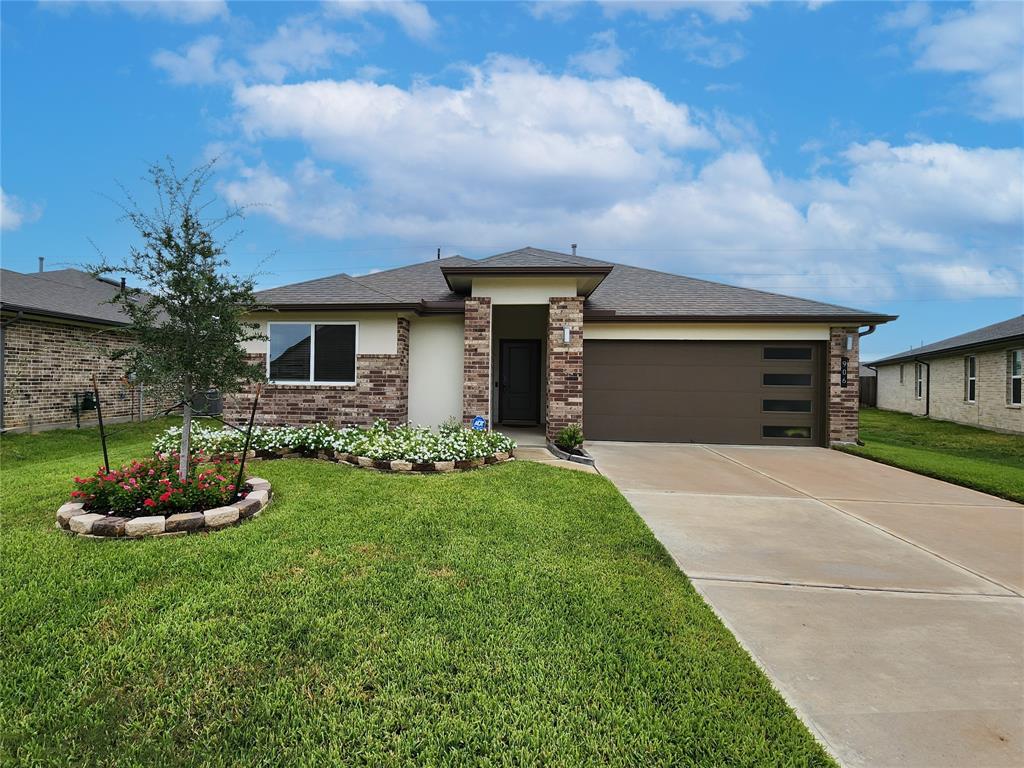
<point>480,424</point>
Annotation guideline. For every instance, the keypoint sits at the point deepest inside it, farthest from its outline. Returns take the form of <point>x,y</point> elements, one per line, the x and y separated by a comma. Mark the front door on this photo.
<point>519,381</point>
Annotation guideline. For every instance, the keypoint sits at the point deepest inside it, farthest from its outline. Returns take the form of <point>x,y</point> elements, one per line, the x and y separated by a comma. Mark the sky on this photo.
<point>864,154</point>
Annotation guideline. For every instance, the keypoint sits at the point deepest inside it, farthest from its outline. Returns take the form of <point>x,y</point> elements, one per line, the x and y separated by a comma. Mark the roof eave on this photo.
<point>608,314</point>
<point>47,313</point>
<point>566,271</point>
<point>912,355</point>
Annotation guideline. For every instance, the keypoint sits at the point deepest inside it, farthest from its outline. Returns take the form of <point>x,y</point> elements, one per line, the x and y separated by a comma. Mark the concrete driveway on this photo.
<point>886,607</point>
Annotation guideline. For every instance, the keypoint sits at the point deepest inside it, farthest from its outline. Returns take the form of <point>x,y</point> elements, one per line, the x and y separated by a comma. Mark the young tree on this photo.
<point>186,317</point>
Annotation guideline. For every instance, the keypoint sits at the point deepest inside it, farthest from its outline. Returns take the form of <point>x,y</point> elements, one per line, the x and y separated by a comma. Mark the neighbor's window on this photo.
<point>901,373</point>
<point>312,353</point>
<point>970,378</point>
<point>1016,356</point>
<point>918,380</point>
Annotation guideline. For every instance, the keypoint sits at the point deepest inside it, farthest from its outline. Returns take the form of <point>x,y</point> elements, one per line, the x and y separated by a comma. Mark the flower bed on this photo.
<point>401,448</point>
<point>146,497</point>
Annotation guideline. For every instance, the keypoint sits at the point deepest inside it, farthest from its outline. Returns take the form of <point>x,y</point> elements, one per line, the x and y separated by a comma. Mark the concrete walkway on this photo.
<point>885,606</point>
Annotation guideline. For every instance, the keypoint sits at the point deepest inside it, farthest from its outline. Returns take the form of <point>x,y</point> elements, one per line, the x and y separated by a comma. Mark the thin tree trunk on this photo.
<point>186,433</point>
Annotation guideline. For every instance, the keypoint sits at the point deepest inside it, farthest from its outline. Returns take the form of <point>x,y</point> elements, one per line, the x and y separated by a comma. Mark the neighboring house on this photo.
<point>55,333</point>
<point>973,378</point>
<point>539,337</point>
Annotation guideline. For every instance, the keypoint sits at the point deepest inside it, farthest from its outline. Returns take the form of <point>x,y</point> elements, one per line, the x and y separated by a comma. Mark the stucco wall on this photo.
<point>523,290</point>
<point>594,330</point>
<point>990,409</point>
<point>435,369</point>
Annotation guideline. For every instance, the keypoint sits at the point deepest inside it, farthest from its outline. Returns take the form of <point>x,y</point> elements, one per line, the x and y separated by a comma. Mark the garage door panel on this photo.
<point>709,392</point>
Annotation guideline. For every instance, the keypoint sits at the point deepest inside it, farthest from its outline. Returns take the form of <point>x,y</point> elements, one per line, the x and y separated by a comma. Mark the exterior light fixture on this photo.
<point>566,334</point>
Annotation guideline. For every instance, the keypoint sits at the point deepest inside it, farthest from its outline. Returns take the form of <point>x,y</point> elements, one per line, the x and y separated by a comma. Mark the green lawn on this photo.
<point>515,615</point>
<point>977,458</point>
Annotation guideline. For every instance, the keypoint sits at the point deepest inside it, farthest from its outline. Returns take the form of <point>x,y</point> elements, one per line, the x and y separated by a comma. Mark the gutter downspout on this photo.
<point>927,386</point>
<point>3,326</point>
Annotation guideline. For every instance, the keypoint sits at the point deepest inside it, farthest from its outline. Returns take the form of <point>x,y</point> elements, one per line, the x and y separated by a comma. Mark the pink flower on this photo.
<point>165,496</point>
<point>149,503</point>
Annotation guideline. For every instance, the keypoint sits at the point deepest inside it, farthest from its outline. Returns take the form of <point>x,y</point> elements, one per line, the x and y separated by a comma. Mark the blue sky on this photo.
<point>866,154</point>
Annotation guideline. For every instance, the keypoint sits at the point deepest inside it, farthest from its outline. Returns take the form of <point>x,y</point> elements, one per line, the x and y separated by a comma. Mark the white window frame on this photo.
<point>918,381</point>
<point>970,377</point>
<point>1018,353</point>
<point>312,354</point>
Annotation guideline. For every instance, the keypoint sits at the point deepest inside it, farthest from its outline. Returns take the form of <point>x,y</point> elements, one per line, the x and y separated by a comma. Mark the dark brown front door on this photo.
<point>745,393</point>
<point>519,381</point>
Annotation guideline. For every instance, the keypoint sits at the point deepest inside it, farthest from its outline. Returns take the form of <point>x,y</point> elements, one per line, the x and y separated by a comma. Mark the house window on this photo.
<point>901,373</point>
<point>1016,356</point>
<point>312,353</point>
<point>787,353</point>
<point>970,378</point>
<point>792,433</point>
<point>918,380</point>
<point>786,379</point>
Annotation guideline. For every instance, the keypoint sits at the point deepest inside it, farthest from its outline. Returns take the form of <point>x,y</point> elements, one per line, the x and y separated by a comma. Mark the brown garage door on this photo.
<point>767,393</point>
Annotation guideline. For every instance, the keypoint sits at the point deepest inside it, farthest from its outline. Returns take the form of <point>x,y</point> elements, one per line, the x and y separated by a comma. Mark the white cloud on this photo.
<point>987,44</point>
<point>907,16</point>
<point>177,11</point>
<point>198,63</point>
<point>516,154</point>
<point>554,10</point>
<point>299,45</point>
<point>14,213</point>
<point>603,57</point>
<point>183,11</point>
<point>414,18</point>
<point>659,10</point>
<point>705,49</point>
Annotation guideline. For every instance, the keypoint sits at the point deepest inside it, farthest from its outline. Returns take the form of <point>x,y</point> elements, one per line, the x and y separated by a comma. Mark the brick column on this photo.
<point>843,402</point>
<point>565,364</point>
<point>476,365</point>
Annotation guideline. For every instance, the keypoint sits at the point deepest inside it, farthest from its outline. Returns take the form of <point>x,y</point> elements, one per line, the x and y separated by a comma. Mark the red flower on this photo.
<point>149,503</point>
<point>165,496</point>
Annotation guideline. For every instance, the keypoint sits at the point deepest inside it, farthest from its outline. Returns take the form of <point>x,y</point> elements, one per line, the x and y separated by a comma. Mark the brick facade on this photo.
<point>564,364</point>
<point>46,363</point>
<point>843,411</point>
<point>991,408</point>
<point>381,391</point>
<point>476,361</point>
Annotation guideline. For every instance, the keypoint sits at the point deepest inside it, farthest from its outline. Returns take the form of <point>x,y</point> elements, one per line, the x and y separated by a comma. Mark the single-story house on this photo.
<point>537,337</point>
<point>55,332</point>
<point>973,378</point>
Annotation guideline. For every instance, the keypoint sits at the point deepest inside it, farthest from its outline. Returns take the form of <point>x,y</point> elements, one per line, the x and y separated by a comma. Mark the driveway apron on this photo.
<point>885,606</point>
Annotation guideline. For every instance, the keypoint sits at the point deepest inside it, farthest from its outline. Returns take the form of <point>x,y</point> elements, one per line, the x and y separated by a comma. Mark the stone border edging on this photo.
<point>586,458</point>
<point>73,518</point>
<point>388,465</point>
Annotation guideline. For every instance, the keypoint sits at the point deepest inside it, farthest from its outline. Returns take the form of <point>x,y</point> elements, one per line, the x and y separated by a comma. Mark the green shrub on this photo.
<point>570,438</point>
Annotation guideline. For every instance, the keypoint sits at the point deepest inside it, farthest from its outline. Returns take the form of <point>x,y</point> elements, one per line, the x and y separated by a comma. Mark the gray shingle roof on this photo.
<point>626,292</point>
<point>990,334</point>
<point>637,292</point>
<point>64,293</point>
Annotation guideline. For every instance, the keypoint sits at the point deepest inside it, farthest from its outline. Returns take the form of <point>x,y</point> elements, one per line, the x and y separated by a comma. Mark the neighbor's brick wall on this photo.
<point>894,396</point>
<point>45,363</point>
<point>991,408</point>
<point>843,402</point>
<point>565,364</point>
<point>381,391</point>
<point>476,360</point>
